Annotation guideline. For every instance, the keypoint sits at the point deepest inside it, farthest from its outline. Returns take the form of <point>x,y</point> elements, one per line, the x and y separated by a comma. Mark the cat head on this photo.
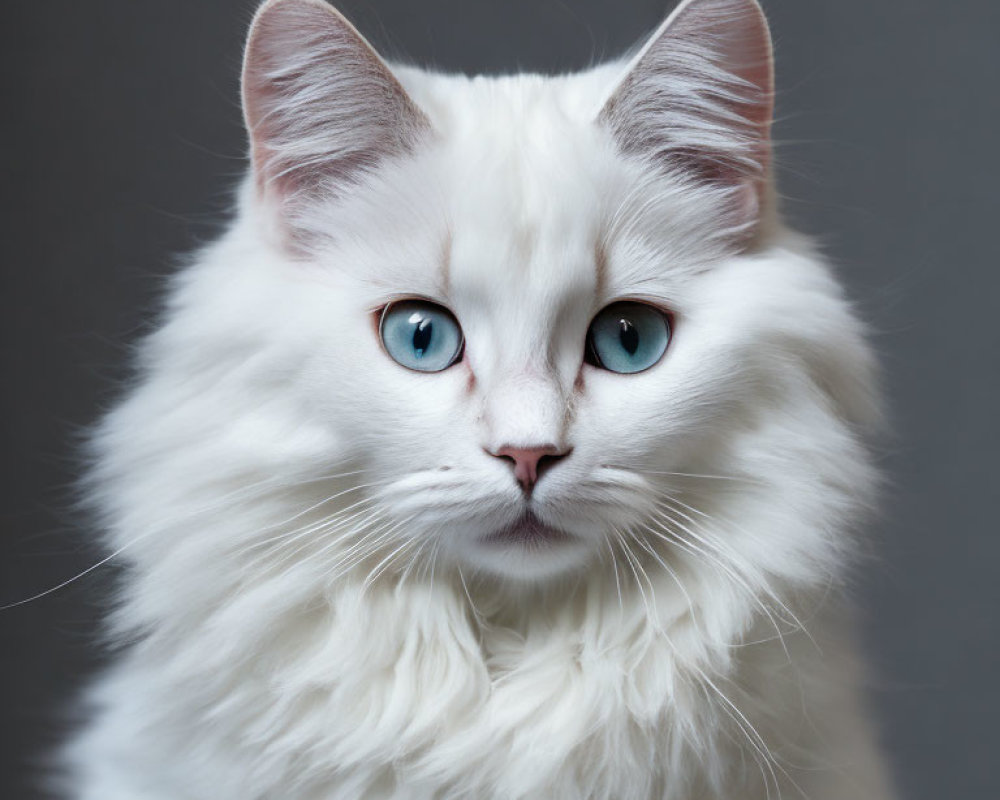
<point>522,308</point>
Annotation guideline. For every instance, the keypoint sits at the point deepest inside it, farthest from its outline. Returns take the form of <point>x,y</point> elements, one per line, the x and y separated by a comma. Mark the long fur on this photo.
<point>309,612</point>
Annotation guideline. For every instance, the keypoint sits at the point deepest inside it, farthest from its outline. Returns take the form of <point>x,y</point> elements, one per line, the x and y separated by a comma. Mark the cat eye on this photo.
<point>421,335</point>
<point>627,337</point>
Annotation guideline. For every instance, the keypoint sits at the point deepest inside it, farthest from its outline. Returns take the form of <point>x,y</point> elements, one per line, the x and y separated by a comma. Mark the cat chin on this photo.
<point>529,554</point>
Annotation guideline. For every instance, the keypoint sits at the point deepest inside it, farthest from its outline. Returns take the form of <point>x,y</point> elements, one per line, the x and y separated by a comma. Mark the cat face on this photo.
<point>522,227</point>
<point>524,267</point>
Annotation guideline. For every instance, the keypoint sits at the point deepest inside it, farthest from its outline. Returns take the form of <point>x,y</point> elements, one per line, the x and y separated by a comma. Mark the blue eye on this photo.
<point>421,335</point>
<point>627,337</point>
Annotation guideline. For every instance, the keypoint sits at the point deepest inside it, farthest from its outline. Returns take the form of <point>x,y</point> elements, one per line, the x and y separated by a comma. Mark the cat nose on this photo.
<point>530,462</point>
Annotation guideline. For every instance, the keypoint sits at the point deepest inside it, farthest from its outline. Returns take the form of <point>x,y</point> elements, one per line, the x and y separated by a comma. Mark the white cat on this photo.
<point>506,446</point>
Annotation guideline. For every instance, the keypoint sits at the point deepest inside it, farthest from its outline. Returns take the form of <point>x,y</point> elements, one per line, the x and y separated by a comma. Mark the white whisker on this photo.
<point>724,550</point>
<point>714,559</point>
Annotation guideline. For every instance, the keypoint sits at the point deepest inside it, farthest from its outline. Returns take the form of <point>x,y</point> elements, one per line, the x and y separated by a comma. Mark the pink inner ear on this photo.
<point>321,107</point>
<point>699,97</point>
<point>738,35</point>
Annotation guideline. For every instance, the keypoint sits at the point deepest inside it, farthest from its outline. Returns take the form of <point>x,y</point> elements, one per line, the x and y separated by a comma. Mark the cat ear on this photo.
<point>321,106</point>
<point>698,99</point>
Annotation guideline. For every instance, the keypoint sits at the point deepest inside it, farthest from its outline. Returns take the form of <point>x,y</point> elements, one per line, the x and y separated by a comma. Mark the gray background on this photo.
<point>120,140</point>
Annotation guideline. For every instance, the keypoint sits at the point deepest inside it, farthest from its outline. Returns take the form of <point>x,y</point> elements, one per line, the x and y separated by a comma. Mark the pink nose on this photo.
<point>530,461</point>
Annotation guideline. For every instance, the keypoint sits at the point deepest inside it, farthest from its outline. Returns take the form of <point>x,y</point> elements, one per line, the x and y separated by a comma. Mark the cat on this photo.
<point>506,445</point>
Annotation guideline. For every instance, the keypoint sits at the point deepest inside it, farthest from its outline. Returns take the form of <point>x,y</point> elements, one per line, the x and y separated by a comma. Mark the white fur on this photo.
<point>309,611</point>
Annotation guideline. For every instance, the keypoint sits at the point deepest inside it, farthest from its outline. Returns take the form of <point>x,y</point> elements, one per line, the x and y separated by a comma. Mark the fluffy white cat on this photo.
<point>506,446</point>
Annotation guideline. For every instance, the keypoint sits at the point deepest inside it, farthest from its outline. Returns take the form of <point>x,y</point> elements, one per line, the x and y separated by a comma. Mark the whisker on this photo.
<point>382,526</point>
<point>385,562</point>
<point>636,568</point>
<point>222,502</point>
<point>480,619</point>
<point>618,585</point>
<point>288,537</point>
<point>237,494</point>
<point>753,736</point>
<point>414,558</point>
<point>76,577</point>
<point>313,507</point>
<point>434,554</point>
<point>324,528</point>
<point>699,476</point>
<point>364,548</point>
<point>676,578</point>
<point>334,532</point>
<point>723,550</point>
<point>716,560</point>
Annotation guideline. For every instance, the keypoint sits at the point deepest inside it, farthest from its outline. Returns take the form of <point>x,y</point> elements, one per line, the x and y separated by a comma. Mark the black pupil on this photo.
<point>422,336</point>
<point>629,336</point>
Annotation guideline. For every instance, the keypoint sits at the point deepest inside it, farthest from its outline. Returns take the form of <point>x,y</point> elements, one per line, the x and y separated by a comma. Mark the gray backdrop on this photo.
<point>120,141</point>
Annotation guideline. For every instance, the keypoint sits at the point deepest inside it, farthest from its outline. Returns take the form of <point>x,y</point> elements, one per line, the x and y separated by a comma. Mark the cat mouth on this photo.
<point>529,530</point>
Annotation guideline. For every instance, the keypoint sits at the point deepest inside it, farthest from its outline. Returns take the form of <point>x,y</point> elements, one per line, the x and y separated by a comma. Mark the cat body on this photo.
<point>523,575</point>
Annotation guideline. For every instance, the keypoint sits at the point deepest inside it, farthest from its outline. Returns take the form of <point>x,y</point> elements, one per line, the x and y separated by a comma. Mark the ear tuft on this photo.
<point>698,99</point>
<point>321,107</point>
